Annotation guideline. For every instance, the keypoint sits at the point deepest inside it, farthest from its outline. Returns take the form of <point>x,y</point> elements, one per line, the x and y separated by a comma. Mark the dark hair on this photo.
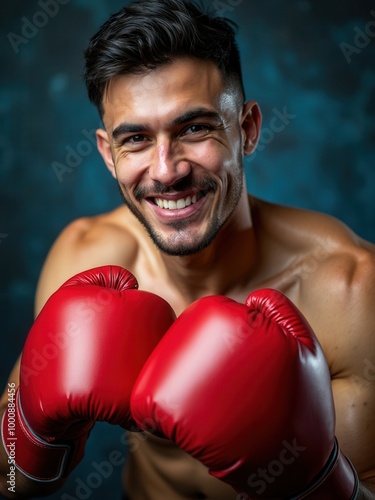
<point>149,33</point>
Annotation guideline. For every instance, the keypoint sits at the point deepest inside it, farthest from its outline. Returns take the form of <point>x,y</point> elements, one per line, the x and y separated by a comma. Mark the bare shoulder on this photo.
<point>330,272</point>
<point>337,290</point>
<point>85,243</point>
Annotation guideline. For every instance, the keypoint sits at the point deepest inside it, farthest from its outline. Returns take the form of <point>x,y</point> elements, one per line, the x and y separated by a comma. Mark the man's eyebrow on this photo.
<point>127,128</point>
<point>197,113</point>
<point>133,128</point>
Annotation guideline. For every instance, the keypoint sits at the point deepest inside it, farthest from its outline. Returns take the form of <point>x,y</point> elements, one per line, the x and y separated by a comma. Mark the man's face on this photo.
<point>174,141</point>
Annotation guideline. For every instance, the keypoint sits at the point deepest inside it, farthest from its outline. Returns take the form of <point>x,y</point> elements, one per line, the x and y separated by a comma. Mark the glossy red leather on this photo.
<point>79,363</point>
<point>245,389</point>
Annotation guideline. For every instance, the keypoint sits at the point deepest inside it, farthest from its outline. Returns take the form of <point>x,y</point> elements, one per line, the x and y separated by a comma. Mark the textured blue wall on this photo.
<point>310,62</point>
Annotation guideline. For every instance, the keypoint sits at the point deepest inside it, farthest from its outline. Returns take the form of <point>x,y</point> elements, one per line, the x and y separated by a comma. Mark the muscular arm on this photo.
<point>349,292</point>
<point>355,422</point>
<point>82,245</point>
<point>355,409</point>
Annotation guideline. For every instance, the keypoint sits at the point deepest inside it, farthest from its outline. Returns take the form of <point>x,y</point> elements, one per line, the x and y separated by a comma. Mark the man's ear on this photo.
<point>104,148</point>
<point>251,126</point>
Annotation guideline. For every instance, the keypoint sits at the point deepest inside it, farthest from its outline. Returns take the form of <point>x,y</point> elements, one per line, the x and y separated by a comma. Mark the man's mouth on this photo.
<point>177,204</point>
<point>173,206</point>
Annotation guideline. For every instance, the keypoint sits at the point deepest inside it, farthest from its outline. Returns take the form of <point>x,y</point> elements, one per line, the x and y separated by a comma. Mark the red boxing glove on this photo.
<point>80,361</point>
<point>246,390</point>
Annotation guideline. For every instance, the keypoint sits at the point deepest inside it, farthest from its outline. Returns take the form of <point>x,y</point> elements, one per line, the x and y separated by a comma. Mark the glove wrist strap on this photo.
<point>33,456</point>
<point>338,479</point>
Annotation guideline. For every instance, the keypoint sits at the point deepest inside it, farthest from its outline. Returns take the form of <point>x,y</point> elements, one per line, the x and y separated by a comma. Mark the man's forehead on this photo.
<point>180,84</point>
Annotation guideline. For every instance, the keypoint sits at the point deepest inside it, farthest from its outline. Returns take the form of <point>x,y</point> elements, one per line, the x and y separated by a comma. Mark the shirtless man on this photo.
<point>176,129</point>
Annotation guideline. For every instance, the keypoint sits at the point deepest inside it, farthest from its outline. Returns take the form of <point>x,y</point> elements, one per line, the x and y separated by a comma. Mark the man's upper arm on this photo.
<point>355,421</point>
<point>354,386</point>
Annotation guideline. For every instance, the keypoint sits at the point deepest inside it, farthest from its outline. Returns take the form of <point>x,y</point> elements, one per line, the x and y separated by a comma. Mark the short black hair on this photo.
<point>149,33</point>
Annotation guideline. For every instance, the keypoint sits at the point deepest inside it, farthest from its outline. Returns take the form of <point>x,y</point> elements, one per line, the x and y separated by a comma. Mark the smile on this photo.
<point>176,204</point>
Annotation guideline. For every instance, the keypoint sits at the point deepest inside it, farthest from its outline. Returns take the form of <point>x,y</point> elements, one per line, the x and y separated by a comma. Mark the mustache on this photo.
<point>157,188</point>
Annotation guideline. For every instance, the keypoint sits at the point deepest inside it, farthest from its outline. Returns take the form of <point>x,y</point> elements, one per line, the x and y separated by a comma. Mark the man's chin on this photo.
<point>181,247</point>
<point>180,250</point>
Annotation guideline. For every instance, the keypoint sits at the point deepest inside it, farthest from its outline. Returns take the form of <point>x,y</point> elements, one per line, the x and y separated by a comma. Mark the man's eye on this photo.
<point>135,139</point>
<point>197,129</point>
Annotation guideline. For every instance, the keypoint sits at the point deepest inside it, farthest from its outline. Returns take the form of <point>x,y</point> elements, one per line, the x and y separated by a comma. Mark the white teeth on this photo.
<point>174,205</point>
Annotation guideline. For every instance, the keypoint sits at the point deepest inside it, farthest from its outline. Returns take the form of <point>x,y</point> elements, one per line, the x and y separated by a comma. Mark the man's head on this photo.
<point>149,33</point>
<point>176,126</point>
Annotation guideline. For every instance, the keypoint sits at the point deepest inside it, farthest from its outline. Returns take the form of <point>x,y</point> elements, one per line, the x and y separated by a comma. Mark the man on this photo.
<point>166,79</point>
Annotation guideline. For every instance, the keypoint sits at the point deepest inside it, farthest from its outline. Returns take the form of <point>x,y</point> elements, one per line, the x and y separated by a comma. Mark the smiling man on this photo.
<point>241,397</point>
<point>180,168</point>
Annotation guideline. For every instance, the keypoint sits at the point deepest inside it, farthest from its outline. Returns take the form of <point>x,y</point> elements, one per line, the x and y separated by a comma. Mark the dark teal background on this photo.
<point>292,53</point>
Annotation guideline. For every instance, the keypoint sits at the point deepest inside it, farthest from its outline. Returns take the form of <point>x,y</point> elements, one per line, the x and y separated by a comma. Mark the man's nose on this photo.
<point>168,166</point>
